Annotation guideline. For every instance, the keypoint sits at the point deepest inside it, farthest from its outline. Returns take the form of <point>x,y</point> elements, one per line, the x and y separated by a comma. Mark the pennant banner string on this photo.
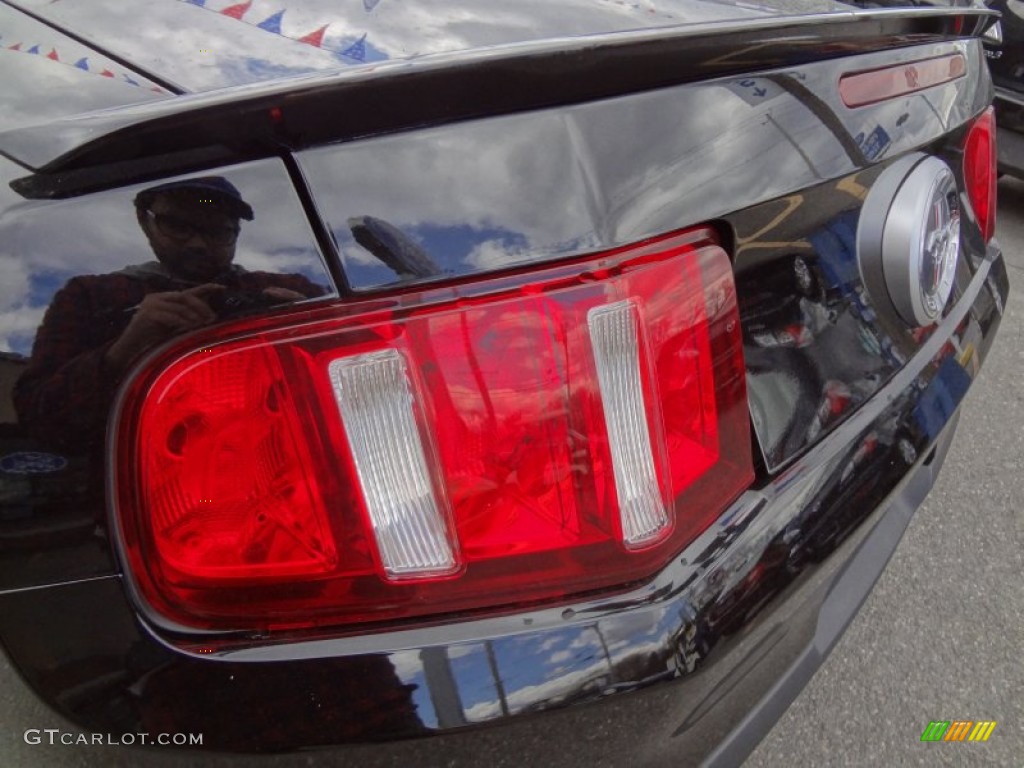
<point>355,50</point>
<point>82,64</point>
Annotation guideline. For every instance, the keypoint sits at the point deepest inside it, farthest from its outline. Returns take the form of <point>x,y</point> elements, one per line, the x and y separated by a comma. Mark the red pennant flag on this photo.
<point>315,38</point>
<point>15,47</point>
<point>107,73</point>
<point>237,11</point>
<point>52,54</point>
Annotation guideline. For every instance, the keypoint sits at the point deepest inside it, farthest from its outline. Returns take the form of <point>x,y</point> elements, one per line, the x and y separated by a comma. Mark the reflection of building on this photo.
<point>11,366</point>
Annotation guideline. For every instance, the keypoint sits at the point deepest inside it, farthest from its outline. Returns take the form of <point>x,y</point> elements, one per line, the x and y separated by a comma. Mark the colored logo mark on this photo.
<point>958,730</point>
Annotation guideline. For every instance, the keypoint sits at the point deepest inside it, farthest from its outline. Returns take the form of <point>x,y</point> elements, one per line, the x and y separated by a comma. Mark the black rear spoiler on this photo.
<point>194,132</point>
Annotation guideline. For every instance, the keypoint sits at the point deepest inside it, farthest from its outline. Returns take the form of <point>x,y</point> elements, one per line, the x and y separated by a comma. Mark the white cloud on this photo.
<point>407,665</point>
<point>14,284</point>
<point>532,694</point>
<point>18,328</point>
<point>485,710</point>
<point>551,642</point>
<point>491,254</point>
<point>461,651</point>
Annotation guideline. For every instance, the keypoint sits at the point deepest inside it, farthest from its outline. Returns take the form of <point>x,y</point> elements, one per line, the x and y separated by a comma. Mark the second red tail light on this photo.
<point>981,171</point>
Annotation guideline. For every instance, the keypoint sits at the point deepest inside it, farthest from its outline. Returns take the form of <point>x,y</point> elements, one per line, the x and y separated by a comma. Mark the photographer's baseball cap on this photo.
<point>217,186</point>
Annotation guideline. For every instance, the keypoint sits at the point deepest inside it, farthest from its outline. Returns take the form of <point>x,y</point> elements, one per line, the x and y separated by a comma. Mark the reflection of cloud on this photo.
<point>358,255</point>
<point>80,239</point>
<point>14,283</point>
<point>531,694</point>
<point>492,254</point>
<point>69,91</point>
<point>640,650</point>
<point>280,261</point>
<point>441,179</point>
<point>198,48</point>
<point>188,45</point>
<point>18,328</point>
<point>549,184</point>
<point>587,640</point>
<point>559,657</point>
<point>18,320</point>
<point>460,651</point>
<point>407,665</point>
<point>551,642</point>
<point>485,710</point>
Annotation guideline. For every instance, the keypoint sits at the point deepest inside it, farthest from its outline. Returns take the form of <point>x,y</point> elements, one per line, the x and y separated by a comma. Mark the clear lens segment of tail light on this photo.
<point>496,443</point>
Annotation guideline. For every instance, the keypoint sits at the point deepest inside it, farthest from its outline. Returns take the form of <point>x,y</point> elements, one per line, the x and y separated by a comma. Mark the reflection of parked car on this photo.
<point>1006,61</point>
<point>570,367</point>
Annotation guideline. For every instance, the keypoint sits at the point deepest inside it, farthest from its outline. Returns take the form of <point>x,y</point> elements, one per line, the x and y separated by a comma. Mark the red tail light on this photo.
<point>981,171</point>
<point>504,442</point>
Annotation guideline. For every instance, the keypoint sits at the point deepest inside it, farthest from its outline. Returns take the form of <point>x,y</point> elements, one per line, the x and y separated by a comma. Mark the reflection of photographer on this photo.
<point>97,325</point>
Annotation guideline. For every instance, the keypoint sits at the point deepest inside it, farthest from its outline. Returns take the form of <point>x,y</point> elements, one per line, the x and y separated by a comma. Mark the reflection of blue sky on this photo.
<point>262,69</point>
<point>545,668</point>
<point>21,315</point>
<point>538,669</point>
<point>45,243</point>
<point>472,673</point>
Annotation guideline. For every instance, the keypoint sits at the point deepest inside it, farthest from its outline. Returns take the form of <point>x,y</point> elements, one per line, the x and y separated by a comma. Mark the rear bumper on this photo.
<point>695,665</point>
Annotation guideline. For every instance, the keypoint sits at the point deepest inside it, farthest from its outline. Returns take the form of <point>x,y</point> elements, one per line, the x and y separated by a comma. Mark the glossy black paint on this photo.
<point>704,620</point>
<point>625,170</point>
<point>782,174</point>
<point>616,172</point>
<point>56,406</point>
<point>211,49</point>
<point>95,151</point>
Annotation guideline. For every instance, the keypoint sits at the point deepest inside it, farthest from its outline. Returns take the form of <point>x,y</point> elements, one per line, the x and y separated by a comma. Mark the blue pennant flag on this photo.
<point>357,50</point>
<point>82,64</point>
<point>272,23</point>
<point>129,80</point>
<point>369,5</point>
<point>200,3</point>
<point>33,49</point>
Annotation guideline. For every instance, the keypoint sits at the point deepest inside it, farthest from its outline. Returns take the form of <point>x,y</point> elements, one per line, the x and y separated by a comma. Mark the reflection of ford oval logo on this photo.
<point>32,463</point>
<point>908,239</point>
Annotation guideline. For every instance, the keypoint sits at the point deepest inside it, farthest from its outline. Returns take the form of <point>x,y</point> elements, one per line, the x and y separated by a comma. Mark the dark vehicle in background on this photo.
<point>1006,62</point>
<point>447,382</point>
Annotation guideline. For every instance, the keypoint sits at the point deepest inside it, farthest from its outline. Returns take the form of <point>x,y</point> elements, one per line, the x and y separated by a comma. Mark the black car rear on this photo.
<point>371,408</point>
